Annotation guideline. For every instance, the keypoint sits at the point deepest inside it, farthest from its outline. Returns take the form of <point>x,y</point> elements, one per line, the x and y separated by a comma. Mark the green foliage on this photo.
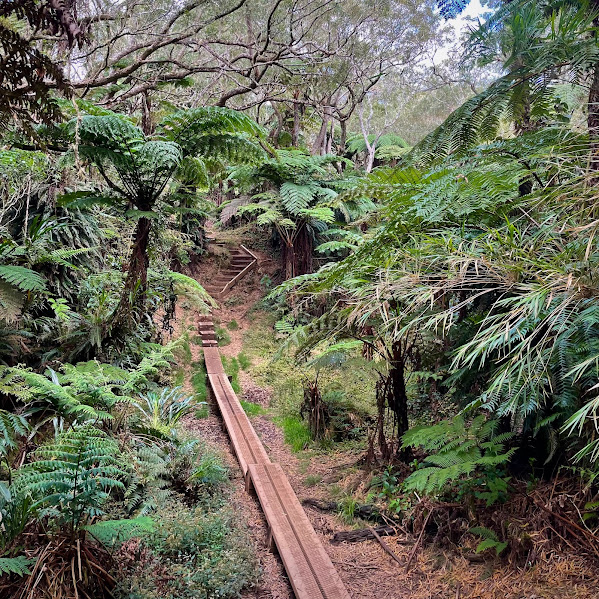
<point>47,392</point>
<point>16,565</point>
<point>16,510</point>
<point>72,477</point>
<point>297,196</point>
<point>209,471</point>
<point>347,508</point>
<point>205,548</point>
<point>312,480</point>
<point>87,390</point>
<point>460,449</point>
<point>12,426</point>
<point>252,409</point>
<point>147,479</point>
<point>114,532</point>
<point>489,540</point>
<point>388,146</point>
<point>222,336</point>
<point>295,432</point>
<point>244,361</point>
<point>22,278</point>
<point>231,366</point>
<point>199,381</point>
<point>159,413</point>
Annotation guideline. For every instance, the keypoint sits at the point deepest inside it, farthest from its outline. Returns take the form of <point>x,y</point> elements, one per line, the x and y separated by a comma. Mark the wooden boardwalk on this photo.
<point>310,570</point>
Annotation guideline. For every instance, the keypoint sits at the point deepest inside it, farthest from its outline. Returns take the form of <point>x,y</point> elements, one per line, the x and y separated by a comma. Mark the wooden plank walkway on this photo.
<point>310,570</point>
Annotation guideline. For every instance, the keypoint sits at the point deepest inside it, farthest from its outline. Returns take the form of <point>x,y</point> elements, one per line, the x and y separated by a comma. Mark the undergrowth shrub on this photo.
<point>197,552</point>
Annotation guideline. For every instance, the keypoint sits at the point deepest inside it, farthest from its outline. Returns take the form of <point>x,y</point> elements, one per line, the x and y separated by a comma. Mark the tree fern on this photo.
<point>115,532</point>
<point>295,198</point>
<point>146,482</point>
<point>22,278</point>
<point>72,477</point>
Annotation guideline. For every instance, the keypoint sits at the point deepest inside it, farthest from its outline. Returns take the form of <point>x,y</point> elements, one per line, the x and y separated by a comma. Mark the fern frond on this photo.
<point>16,565</point>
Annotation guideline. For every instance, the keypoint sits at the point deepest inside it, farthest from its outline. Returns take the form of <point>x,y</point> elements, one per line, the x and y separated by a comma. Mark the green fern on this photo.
<point>22,278</point>
<point>11,427</point>
<point>147,481</point>
<point>460,449</point>
<point>113,532</point>
<point>16,565</point>
<point>72,477</point>
<point>490,540</point>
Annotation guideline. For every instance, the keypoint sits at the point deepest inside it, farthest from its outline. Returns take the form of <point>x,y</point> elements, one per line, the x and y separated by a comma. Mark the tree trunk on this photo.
<point>392,401</point>
<point>295,133</point>
<point>147,126</point>
<point>321,137</point>
<point>136,282</point>
<point>275,134</point>
<point>343,137</point>
<point>370,158</point>
<point>297,255</point>
<point>289,260</point>
<point>329,144</point>
<point>304,247</point>
<point>399,397</point>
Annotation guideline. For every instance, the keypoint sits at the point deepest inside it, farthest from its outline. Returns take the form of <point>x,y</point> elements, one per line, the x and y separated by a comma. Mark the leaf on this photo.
<point>22,278</point>
<point>16,565</point>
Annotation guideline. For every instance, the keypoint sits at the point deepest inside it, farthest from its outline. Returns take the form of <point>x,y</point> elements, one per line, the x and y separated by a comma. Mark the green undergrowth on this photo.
<point>251,408</point>
<point>355,380</point>
<point>199,380</point>
<point>233,325</point>
<point>222,336</point>
<point>295,432</point>
<point>189,552</point>
<point>231,366</point>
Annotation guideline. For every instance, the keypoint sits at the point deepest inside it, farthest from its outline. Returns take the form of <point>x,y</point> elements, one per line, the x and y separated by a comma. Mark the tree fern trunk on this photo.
<point>289,260</point>
<point>303,252</point>
<point>136,282</point>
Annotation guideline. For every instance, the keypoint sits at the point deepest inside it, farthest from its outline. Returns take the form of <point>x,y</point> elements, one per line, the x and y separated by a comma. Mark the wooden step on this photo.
<point>241,264</point>
<point>212,360</point>
<point>310,570</point>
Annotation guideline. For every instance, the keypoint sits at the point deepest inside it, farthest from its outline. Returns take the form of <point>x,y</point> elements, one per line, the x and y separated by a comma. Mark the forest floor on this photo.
<point>367,570</point>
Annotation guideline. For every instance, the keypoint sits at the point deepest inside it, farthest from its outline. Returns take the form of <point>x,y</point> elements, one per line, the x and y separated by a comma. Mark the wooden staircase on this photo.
<point>242,262</point>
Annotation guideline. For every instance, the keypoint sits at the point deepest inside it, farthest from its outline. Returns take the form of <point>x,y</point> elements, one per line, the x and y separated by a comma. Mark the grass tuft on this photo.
<point>295,431</point>
<point>251,408</point>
